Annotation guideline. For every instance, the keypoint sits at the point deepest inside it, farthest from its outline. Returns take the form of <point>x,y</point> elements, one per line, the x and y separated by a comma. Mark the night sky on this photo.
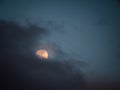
<point>82,38</point>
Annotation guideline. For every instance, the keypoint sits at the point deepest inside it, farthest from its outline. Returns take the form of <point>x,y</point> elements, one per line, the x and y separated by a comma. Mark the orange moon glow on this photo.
<point>42,54</point>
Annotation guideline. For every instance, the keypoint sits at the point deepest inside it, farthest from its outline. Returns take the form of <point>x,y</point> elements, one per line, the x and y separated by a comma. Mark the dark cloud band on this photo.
<point>23,71</point>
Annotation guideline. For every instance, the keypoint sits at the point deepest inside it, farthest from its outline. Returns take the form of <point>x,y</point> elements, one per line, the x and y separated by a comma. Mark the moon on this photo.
<point>42,53</point>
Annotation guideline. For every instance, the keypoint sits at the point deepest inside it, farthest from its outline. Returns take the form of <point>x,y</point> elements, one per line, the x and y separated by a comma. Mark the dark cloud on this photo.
<point>21,70</point>
<point>1,1</point>
<point>118,1</point>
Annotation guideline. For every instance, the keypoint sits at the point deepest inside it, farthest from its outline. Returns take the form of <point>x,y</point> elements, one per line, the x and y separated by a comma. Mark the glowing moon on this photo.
<point>42,54</point>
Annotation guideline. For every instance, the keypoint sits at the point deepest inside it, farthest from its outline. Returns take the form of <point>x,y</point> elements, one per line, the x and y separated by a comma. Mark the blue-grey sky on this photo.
<point>90,29</point>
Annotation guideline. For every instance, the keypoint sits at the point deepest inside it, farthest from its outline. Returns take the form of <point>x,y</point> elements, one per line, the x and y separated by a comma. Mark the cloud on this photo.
<point>1,1</point>
<point>21,70</point>
<point>118,1</point>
